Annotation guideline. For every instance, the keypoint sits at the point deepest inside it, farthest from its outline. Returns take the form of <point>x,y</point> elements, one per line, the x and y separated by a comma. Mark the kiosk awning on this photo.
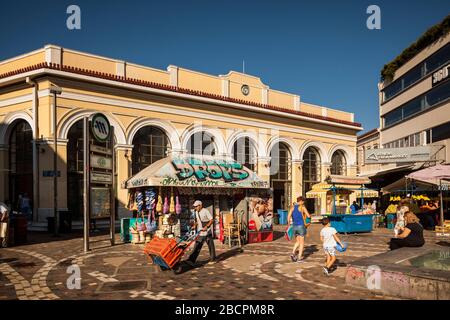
<point>322,189</point>
<point>197,171</point>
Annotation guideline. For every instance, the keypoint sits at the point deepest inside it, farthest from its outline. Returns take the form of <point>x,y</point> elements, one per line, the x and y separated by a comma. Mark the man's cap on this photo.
<point>197,203</point>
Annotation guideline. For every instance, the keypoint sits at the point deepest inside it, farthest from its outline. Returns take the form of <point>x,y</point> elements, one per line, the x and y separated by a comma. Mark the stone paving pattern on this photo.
<point>38,270</point>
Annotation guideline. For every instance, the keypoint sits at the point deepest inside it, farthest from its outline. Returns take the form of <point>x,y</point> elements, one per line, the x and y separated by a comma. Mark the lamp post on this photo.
<point>55,90</point>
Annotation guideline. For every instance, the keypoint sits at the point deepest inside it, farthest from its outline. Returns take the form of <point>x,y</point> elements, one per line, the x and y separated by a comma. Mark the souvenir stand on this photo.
<point>336,196</point>
<point>163,193</point>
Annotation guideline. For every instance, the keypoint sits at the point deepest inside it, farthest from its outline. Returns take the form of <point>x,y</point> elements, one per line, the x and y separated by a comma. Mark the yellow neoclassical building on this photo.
<point>156,113</point>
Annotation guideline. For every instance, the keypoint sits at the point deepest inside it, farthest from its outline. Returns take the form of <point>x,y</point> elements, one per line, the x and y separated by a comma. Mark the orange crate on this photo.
<point>165,248</point>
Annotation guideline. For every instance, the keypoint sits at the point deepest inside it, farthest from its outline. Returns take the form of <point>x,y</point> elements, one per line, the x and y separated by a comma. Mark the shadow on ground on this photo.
<point>183,267</point>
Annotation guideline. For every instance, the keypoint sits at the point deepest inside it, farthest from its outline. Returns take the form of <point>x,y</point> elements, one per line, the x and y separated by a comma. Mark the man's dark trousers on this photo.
<point>198,247</point>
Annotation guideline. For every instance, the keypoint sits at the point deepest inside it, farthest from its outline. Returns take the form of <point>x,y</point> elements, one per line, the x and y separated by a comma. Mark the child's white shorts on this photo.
<point>330,250</point>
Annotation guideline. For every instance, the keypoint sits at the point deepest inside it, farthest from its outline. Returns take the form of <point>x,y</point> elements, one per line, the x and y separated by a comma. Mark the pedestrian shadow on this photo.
<point>277,235</point>
<point>185,267</point>
<point>8,260</point>
<point>443,244</point>
<point>309,250</point>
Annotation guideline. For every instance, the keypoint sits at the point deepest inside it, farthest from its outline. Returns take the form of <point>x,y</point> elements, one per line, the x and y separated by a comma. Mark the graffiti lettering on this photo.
<point>184,170</point>
<point>202,170</point>
<point>168,181</point>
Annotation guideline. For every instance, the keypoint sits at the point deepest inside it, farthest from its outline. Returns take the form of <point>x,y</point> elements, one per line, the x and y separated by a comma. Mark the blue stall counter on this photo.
<point>347,223</point>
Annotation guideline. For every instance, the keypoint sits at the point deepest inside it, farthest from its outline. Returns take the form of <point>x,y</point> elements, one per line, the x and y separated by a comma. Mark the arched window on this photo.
<point>311,168</point>
<point>150,144</point>
<point>338,163</point>
<point>280,176</point>
<point>244,152</point>
<point>20,161</point>
<point>201,143</point>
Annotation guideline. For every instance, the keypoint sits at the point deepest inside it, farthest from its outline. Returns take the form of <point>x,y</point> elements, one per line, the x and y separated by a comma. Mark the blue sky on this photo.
<point>320,50</point>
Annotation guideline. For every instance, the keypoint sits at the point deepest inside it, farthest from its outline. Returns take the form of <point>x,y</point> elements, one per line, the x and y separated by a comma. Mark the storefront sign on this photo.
<point>334,179</point>
<point>100,127</point>
<point>100,177</point>
<point>396,155</point>
<point>101,162</point>
<point>440,75</point>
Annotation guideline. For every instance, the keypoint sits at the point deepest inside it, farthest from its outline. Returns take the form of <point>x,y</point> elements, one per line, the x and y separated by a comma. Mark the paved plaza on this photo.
<point>39,270</point>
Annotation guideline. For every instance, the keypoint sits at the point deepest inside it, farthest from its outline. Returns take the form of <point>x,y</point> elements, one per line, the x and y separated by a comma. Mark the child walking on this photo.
<point>329,238</point>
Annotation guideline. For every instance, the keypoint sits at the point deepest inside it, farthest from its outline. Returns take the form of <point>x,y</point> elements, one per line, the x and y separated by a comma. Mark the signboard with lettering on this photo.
<point>396,155</point>
<point>101,177</point>
<point>440,75</point>
<point>99,149</point>
<point>195,171</point>
<point>100,161</point>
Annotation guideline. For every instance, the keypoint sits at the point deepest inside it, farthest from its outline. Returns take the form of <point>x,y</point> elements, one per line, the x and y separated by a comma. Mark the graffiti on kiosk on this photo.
<point>169,181</point>
<point>209,169</point>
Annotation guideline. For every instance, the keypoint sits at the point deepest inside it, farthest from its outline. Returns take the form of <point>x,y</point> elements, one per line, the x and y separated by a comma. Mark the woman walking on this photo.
<point>297,216</point>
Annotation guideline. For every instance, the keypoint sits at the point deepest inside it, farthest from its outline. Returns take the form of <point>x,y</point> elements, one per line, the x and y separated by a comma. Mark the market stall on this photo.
<point>438,175</point>
<point>165,191</point>
<point>337,194</point>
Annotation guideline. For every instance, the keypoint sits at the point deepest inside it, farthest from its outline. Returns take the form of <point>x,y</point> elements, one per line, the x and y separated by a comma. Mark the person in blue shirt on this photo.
<point>297,217</point>
<point>354,207</point>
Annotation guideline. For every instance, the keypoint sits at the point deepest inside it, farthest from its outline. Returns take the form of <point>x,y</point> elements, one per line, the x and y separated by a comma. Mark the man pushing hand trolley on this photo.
<point>167,253</point>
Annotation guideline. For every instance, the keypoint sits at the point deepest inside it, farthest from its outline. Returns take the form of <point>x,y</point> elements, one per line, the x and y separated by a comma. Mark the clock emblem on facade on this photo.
<point>245,89</point>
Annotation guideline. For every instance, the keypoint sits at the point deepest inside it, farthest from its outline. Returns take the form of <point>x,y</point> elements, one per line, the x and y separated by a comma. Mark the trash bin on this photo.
<point>391,220</point>
<point>282,216</point>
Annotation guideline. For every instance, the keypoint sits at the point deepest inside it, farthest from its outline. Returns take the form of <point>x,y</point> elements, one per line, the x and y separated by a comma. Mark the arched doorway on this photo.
<point>150,144</point>
<point>280,176</point>
<point>75,154</point>
<point>202,143</point>
<point>338,163</point>
<point>20,162</point>
<point>311,175</point>
<point>244,152</point>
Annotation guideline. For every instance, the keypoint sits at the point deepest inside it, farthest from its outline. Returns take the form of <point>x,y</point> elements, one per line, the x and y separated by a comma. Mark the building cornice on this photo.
<point>136,84</point>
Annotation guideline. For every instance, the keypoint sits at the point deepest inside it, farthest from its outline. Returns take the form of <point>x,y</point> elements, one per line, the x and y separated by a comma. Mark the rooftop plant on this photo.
<point>430,36</point>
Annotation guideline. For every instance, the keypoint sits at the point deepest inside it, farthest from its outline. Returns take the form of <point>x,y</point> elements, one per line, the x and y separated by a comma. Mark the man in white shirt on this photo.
<point>4,225</point>
<point>204,221</point>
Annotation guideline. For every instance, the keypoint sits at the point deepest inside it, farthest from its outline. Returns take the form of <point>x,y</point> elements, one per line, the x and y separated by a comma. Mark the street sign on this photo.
<point>101,162</point>
<point>99,184</point>
<point>98,149</point>
<point>100,177</point>
<point>100,127</point>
